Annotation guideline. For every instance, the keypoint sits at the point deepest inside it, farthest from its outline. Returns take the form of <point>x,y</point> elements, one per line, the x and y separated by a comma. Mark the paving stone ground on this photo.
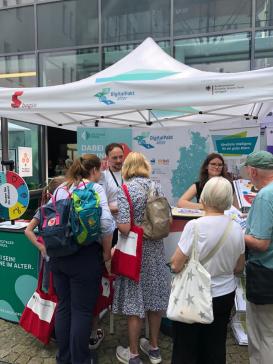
<point>18,347</point>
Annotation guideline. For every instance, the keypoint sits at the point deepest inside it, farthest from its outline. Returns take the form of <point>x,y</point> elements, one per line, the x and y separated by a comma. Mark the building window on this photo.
<point>220,53</point>
<point>124,20</point>
<point>264,49</point>
<point>67,23</point>
<point>112,54</point>
<point>17,30</point>
<point>264,13</point>
<point>10,3</point>
<point>18,71</point>
<point>199,16</point>
<point>57,68</point>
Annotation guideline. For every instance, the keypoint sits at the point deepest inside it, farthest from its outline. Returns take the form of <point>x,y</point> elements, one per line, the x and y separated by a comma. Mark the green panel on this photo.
<point>18,273</point>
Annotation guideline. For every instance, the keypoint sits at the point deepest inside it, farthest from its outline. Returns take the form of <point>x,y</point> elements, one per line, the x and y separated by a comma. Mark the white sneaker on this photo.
<point>123,356</point>
<point>153,354</point>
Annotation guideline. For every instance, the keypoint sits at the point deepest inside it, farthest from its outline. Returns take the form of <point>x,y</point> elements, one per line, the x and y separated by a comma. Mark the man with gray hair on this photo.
<point>259,268</point>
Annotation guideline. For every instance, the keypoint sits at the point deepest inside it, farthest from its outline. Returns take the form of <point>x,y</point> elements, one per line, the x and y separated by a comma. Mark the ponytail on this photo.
<point>82,167</point>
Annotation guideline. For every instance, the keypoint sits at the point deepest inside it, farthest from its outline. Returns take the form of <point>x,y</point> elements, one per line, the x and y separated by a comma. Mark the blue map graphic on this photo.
<point>188,165</point>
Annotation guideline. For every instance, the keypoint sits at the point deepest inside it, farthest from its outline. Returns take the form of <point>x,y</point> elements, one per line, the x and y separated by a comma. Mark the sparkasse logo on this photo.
<point>15,101</point>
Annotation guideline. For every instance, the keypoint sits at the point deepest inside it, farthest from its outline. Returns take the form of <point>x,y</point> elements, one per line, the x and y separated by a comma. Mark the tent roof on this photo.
<point>145,86</point>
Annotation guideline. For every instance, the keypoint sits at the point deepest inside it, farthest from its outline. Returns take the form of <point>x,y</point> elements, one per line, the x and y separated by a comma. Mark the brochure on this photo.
<point>245,193</point>
<point>177,211</point>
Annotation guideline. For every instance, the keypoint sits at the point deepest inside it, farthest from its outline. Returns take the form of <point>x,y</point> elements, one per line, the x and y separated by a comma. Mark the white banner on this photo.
<point>25,162</point>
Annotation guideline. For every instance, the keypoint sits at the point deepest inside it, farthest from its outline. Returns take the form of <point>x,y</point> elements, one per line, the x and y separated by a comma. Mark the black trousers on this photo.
<point>200,343</point>
<point>76,279</point>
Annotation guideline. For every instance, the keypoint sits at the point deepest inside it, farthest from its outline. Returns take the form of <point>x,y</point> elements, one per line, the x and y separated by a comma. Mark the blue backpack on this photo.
<point>85,214</point>
<point>55,228</point>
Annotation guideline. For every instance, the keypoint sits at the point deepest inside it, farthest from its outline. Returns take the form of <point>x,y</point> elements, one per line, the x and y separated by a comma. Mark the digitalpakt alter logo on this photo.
<point>107,96</point>
<point>15,101</point>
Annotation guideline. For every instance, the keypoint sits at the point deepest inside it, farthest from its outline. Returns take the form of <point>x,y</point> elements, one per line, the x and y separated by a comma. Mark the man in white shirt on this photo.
<point>111,179</point>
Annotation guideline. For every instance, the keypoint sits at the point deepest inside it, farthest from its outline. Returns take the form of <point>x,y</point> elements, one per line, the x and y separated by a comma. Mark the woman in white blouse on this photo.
<point>199,343</point>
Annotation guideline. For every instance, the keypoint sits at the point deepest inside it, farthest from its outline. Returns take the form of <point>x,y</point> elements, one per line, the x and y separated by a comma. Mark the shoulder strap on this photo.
<point>219,244</point>
<point>114,178</point>
<point>125,189</point>
<point>198,190</point>
<point>153,191</point>
<point>195,238</point>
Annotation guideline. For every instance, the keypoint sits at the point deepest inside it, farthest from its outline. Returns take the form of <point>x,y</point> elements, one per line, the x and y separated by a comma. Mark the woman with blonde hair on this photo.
<point>150,295</point>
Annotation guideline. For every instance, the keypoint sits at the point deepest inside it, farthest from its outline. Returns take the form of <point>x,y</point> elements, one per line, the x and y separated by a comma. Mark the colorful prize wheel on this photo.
<point>14,195</point>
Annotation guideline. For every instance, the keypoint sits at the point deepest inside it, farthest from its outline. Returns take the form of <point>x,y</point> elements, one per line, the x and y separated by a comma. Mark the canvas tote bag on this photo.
<point>127,257</point>
<point>190,299</point>
<point>38,315</point>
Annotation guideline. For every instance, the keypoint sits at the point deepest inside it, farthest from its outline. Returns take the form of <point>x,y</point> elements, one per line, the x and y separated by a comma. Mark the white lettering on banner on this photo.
<point>5,243</point>
<point>22,266</point>
<point>10,262</point>
<point>92,148</point>
<point>7,258</point>
<point>127,243</point>
<point>10,312</point>
<point>43,308</point>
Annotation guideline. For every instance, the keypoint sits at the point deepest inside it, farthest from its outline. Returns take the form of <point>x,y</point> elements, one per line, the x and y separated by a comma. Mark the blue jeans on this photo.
<point>76,279</point>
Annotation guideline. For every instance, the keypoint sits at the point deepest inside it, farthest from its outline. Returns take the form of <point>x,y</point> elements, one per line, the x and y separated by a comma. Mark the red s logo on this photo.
<point>16,102</point>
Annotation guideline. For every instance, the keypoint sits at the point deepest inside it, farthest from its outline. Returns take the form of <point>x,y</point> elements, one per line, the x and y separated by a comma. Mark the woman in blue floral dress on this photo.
<point>149,296</point>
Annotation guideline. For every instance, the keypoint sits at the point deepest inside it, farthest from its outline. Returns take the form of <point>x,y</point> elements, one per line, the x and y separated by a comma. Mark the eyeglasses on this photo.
<point>216,165</point>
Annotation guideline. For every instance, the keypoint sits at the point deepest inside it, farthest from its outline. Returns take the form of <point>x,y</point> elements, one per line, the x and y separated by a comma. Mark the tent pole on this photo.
<point>4,139</point>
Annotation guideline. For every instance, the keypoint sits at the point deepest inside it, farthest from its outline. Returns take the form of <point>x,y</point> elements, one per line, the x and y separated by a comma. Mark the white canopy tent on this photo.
<point>147,87</point>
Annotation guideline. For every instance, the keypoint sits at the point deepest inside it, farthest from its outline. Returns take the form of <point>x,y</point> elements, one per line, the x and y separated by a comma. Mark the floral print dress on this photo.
<point>151,293</point>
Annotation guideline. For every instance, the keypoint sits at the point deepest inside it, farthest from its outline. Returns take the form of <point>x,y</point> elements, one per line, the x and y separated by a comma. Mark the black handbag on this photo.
<point>259,284</point>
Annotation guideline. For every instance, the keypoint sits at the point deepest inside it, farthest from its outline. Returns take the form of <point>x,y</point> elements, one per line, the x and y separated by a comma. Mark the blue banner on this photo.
<point>236,146</point>
<point>94,140</point>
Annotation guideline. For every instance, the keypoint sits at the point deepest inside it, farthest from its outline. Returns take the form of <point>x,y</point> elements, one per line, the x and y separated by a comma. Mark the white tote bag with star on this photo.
<point>190,299</point>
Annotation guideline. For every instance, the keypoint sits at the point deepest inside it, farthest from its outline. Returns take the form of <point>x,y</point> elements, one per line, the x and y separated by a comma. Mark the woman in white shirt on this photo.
<point>199,343</point>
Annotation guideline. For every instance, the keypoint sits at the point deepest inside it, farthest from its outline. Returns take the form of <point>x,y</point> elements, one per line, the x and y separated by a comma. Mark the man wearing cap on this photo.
<point>259,268</point>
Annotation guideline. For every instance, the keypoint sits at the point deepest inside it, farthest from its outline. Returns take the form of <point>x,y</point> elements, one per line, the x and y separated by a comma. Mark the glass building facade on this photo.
<point>51,42</point>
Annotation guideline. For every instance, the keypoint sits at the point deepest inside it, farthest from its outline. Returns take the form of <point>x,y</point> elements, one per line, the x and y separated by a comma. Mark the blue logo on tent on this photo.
<point>103,96</point>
